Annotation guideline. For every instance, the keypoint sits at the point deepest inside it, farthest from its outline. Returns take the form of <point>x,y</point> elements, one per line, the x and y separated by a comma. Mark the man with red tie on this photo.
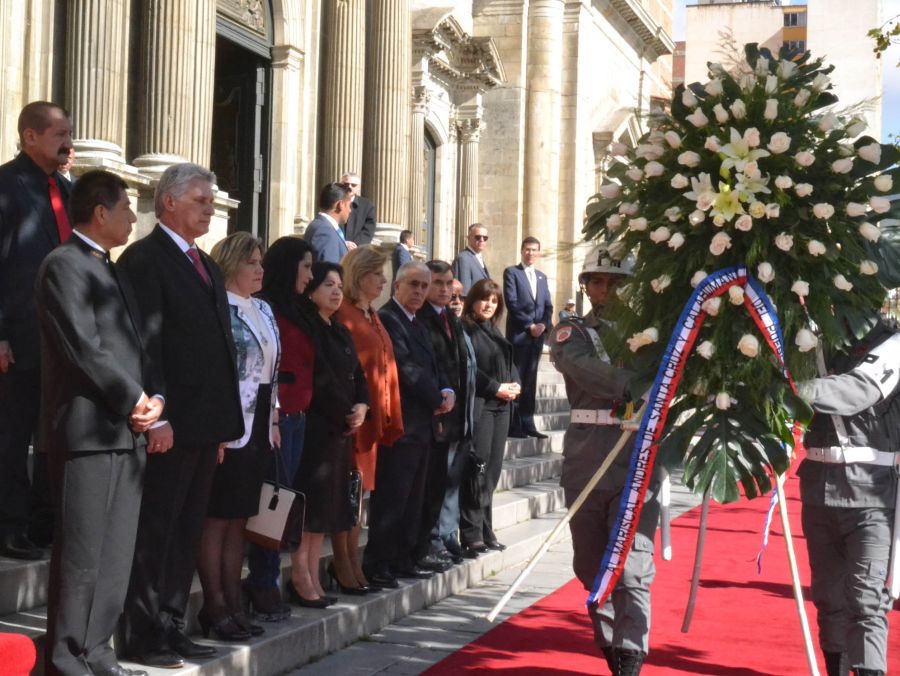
<point>33,220</point>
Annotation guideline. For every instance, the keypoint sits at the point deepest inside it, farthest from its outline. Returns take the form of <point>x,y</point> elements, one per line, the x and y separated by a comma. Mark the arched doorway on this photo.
<point>426,235</point>
<point>241,110</point>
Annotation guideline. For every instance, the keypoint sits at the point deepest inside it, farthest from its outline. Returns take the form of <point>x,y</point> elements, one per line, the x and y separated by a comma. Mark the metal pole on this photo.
<point>698,560</point>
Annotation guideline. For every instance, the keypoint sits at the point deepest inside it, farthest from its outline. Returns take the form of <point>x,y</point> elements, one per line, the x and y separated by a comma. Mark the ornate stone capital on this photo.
<point>421,98</point>
<point>287,57</point>
<point>469,129</point>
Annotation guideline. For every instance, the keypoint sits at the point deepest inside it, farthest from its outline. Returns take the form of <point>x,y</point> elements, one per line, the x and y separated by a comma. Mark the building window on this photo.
<point>791,19</point>
<point>796,45</point>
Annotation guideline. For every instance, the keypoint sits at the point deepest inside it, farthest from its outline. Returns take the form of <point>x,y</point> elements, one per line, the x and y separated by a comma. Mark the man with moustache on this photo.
<point>95,408</point>
<point>33,221</point>
<point>400,472</point>
<point>181,295</point>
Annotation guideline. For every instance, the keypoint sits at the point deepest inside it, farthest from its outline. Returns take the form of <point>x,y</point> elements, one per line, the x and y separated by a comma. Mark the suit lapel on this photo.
<point>180,258</point>
<point>38,193</point>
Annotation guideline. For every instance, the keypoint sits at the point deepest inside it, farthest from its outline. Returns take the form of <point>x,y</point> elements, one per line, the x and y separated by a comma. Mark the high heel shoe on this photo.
<point>224,629</point>
<point>243,621</point>
<point>294,597</point>
<point>353,591</point>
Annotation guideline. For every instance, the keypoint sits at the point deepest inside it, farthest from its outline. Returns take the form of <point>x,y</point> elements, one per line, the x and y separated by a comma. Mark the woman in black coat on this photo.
<point>496,385</point>
<point>338,407</point>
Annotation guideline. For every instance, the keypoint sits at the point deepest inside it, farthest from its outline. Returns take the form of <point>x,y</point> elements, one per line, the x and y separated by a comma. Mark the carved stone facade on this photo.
<point>496,111</point>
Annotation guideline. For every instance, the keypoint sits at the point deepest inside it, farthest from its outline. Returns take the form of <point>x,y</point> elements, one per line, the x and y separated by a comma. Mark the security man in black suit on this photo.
<point>181,295</point>
<point>360,227</point>
<point>96,402</point>
<point>401,469</point>
<point>33,221</point>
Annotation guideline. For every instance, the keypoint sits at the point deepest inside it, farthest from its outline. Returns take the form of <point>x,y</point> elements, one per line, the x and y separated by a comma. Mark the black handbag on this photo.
<point>279,522</point>
<point>474,482</point>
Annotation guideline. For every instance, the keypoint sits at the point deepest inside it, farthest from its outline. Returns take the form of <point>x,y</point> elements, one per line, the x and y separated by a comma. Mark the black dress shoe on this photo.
<point>382,580</point>
<point>162,659</point>
<point>433,563</point>
<point>412,572</point>
<point>535,434</point>
<point>119,670</point>
<point>472,551</point>
<point>18,546</point>
<point>448,557</point>
<point>185,647</point>
<point>453,547</point>
<point>517,434</point>
<point>242,620</point>
<point>496,545</point>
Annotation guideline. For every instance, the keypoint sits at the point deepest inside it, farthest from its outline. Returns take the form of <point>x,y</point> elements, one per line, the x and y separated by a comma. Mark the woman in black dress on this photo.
<point>338,407</point>
<point>496,384</point>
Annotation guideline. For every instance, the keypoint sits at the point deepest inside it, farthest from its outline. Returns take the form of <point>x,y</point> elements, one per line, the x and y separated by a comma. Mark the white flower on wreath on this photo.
<point>884,183</point>
<point>800,287</point>
<point>771,110</point>
<point>649,151</point>
<point>773,210</point>
<point>698,277</point>
<point>688,98</point>
<point>723,401</point>
<point>802,98</point>
<point>618,149</point>
<point>720,242</point>
<point>661,283</point>
<point>880,205</point>
<point>610,190</point>
<point>679,181</point>
<point>805,158</point>
<point>689,158</point>
<point>820,82</point>
<point>645,337</point>
<point>855,209</point>
<point>752,137</point>
<point>855,127</point>
<point>803,189</point>
<point>738,151</point>
<point>653,168</point>
<point>842,166</point>
<point>756,209</point>
<point>771,85</point>
<point>701,190</point>
<point>828,121</point>
<point>634,173</point>
<point>714,87</point>
<point>727,203</point>
<point>672,138</point>
<point>762,66</point>
<point>738,109</point>
<point>841,283</point>
<point>613,222</point>
<point>747,83</point>
<point>783,182</point>
<point>706,349</point>
<point>784,241</point>
<point>867,267</point>
<point>823,210</point>
<point>748,345</point>
<point>697,118</point>
<point>869,232</point>
<point>720,113</point>
<point>638,224</point>
<point>750,181</point>
<point>673,214</point>
<point>735,295</point>
<point>765,273</point>
<point>628,208</point>
<point>745,223</point>
<point>805,340</point>
<point>711,306</point>
<point>660,234</point>
<point>816,248</point>
<point>712,144</point>
<point>786,69</point>
<point>696,217</point>
<point>779,143</point>
<point>675,241</point>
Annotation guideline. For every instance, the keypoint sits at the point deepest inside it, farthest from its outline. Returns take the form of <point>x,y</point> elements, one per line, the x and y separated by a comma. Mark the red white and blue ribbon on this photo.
<point>646,443</point>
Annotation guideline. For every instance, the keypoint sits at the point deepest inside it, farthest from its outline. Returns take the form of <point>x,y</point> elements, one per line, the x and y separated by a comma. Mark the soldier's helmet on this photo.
<point>599,259</point>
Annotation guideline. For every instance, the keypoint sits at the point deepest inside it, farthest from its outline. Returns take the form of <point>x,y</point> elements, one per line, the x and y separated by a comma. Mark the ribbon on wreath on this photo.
<point>646,444</point>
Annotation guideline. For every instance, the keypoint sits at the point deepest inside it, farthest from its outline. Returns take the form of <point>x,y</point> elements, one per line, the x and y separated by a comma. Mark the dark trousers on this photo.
<point>433,499</point>
<point>20,398</point>
<point>396,504</point>
<point>526,358</point>
<point>176,495</point>
<point>491,431</point>
<point>457,461</point>
<point>98,497</point>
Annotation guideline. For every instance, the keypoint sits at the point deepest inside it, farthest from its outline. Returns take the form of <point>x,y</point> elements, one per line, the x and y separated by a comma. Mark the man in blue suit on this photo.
<point>401,255</point>
<point>469,266</point>
<point>325,232</point>
<point>528,314</point>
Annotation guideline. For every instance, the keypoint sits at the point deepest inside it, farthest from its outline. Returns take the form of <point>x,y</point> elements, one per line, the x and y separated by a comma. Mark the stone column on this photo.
<point>542,129</point>
<point>97,77</point>
<point>386,150</point>
<point>344,31</point>
<point>469,131</point>
<point>417,162</point>
<point>177,70</point>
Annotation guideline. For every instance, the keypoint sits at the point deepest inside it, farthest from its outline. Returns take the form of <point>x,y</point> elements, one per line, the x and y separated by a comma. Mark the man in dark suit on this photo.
<point>528,318</point>
<point>94,410</point>
<point>360,228</point>
<point>33,220</point>
<point>181,295</point>
<point>446,333</point>
<point>401,255</point>
<point>401,469</point>
<point>325,232</point>
<point>469,266</point>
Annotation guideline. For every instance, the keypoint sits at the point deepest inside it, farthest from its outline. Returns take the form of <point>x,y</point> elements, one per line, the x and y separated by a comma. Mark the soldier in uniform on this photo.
<point>848,487</point>
<point>596,388</point>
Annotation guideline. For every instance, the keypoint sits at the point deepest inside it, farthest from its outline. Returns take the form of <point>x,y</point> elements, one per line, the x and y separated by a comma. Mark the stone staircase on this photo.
<point>527,494</point>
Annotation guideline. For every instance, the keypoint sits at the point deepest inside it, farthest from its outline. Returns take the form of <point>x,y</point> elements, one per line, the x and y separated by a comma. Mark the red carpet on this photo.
<point>744,624</point>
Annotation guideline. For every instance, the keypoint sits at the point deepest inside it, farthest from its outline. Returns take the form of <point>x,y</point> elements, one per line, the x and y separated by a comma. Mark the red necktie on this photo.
<point>198,266</point>
<point>446,321</point>
<point>63,226</point>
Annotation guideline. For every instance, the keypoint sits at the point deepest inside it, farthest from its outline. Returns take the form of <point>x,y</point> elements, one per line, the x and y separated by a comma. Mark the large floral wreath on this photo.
<point>748,169</point>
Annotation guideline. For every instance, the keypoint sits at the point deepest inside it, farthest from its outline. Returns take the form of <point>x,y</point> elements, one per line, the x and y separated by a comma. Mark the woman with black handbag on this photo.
<point>496,385</point>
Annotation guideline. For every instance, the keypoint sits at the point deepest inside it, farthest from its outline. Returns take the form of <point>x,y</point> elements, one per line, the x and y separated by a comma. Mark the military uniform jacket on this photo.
<point>591,383</point>
<point>871,417</point>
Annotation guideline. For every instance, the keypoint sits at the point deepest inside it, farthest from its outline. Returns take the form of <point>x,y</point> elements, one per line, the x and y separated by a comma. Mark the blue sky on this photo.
<point>891,108</point>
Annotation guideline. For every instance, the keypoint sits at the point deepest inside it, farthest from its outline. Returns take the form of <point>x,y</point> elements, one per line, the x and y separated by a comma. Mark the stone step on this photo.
<point>554,389</point>
<point>550,404</point>
<point>523,448</point>
<point>523,471</point>
<point>557,420</point>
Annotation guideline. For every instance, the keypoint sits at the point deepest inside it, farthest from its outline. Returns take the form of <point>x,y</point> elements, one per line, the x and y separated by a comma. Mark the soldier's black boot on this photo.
<point>628,663</point>
<point>836,664</point>
<point>610,656</point>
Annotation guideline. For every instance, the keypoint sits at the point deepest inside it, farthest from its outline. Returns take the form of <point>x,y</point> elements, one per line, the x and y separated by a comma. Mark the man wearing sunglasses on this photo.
<point>469,266</point>
<point>360,227</point>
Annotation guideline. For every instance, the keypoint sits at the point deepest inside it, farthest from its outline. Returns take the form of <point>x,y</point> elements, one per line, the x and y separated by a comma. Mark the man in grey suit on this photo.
<point>360,228</point>
<point>325,232</point>
<point>469,266</point>
<point>401,254</point>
